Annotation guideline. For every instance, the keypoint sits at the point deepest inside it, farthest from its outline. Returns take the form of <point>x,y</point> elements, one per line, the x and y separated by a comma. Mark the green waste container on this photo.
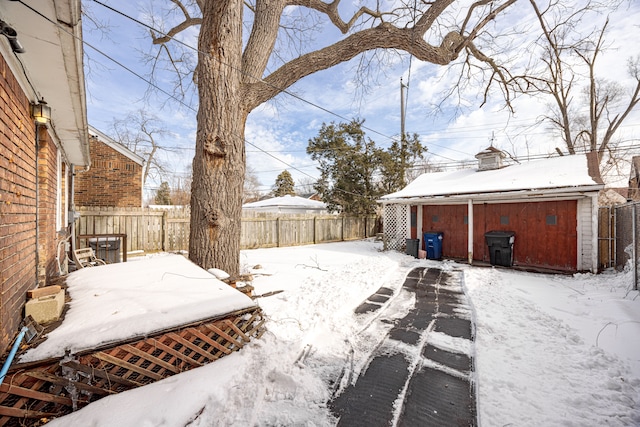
<point>412,247</point>
<point>500,247</point>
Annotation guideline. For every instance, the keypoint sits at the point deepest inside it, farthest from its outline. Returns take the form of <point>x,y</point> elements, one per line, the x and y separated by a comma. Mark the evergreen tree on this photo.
<point>349,163</point>
<point>354,173</point>
<point>284,185</point>
<point>163,194</point>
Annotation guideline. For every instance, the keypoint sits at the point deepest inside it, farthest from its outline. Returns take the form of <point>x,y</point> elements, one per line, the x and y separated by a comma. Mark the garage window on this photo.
<point>504,220</point>
<point>552,220</point>
<point>435,218</point>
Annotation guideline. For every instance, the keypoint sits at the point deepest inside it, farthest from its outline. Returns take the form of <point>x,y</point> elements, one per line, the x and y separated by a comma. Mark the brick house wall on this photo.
<point>113,180</point>
<point>32,189</point>
<point>50,215</point>
<point>17,203</point>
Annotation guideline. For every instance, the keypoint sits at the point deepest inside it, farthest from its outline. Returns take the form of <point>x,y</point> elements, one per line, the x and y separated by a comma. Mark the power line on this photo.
<point>244,73</point>
<point>156,86</point>
<point>171,96</point>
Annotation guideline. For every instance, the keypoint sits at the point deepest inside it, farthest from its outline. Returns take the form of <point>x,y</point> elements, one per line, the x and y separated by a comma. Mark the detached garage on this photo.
<point>550,205</point>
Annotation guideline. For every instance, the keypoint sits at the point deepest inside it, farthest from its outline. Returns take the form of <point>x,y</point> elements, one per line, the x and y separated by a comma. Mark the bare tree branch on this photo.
<point>140,132</point>
<point>331,11</point>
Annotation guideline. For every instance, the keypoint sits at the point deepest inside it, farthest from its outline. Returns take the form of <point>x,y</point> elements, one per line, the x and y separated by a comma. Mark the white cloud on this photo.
<point>283,127</point>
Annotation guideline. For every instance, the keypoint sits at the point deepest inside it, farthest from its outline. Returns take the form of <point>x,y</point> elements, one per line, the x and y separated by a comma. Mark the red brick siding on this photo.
<point>47,195</point>
<point>17,203</point>
<point>113,180</point>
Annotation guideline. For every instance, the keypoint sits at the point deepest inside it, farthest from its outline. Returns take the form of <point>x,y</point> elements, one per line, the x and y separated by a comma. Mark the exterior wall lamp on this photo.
<point>41,112</point>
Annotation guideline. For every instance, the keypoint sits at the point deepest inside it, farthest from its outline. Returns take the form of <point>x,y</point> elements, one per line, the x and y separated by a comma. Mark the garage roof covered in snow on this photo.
<point>554,175</point>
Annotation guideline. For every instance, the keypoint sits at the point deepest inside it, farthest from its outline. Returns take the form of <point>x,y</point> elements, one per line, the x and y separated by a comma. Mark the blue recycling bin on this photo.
<point>433,244</point>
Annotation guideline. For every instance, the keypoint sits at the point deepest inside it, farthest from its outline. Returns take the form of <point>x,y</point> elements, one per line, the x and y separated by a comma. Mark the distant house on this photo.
<point>634,180</point>
<point>311,196</point>
<point>115,176</point>
<point>551,205</point>
<point>287,205</point>
<point>40,144</point>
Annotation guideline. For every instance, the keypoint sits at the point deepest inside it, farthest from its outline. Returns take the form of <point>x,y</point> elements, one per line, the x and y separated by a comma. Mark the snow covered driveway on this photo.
<point>421,373</point>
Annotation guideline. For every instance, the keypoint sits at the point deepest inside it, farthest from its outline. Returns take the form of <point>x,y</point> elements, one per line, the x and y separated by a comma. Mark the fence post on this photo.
<point>165,231</point>
<point>278,232</point>
<point>366,227</point>
<point>342,231</point>
<point>315,230</point>
<point>635,241</point>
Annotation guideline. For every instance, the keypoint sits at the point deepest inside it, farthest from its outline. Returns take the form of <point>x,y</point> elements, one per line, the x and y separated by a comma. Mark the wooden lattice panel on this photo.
<point>396,227</point>
<point>37,391</point>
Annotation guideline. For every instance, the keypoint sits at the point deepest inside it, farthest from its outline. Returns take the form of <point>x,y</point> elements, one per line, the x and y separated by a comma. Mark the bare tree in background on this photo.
<point>585,109</point>
<point>251,187</point>
<point>306,186</point>
<point>181,190</point>
<point>141,133</point>
<point>237,72</point>
<point>425,165</point>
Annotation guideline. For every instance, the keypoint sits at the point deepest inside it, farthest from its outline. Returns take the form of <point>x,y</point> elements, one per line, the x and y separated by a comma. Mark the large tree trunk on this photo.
<point>219,162</point>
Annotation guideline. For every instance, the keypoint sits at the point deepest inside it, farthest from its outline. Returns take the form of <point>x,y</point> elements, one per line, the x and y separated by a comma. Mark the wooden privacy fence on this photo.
<point>153,230</point>
<point>149,230</point>
<point>293,230</point>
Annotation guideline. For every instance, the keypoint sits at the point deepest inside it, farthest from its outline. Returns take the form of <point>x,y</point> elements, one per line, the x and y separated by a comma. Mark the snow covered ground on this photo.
<point>549,350</point>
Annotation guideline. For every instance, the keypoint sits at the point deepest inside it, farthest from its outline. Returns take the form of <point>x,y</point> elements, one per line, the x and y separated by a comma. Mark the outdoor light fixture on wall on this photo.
<point>41,112</point>
<point>12,36</point>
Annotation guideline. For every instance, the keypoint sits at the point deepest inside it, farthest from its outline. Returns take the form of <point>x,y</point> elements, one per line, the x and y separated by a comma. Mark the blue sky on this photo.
<point>283,127</point>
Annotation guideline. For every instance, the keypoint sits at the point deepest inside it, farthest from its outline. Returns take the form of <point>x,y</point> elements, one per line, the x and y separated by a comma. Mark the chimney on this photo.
<point>490,159</point>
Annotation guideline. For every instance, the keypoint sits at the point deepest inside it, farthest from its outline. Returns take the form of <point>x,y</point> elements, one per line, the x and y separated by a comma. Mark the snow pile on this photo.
<point>550,350</point>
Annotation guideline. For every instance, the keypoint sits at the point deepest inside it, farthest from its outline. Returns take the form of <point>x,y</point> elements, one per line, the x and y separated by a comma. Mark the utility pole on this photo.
<point>403,140</point>
<point>402,87</point>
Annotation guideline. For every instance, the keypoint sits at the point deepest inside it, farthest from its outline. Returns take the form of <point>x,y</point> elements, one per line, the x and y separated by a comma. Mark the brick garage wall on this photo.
<point>113,180</point>
<point>17,204</point>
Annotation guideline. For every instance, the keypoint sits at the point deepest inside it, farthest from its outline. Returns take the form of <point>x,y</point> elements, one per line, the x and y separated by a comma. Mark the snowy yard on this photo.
<point>549,350</point>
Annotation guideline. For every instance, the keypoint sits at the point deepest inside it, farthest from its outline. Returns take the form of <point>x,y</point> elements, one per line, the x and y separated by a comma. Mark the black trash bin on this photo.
<point>106,248</point>
<point>412,247</point>
<point>500,247</point>
<point>433,244</point>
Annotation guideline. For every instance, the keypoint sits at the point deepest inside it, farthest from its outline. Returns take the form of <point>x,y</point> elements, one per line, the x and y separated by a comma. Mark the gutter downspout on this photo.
<point>633,250</point>
<point>72,210</point>
<point>37,179</point>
